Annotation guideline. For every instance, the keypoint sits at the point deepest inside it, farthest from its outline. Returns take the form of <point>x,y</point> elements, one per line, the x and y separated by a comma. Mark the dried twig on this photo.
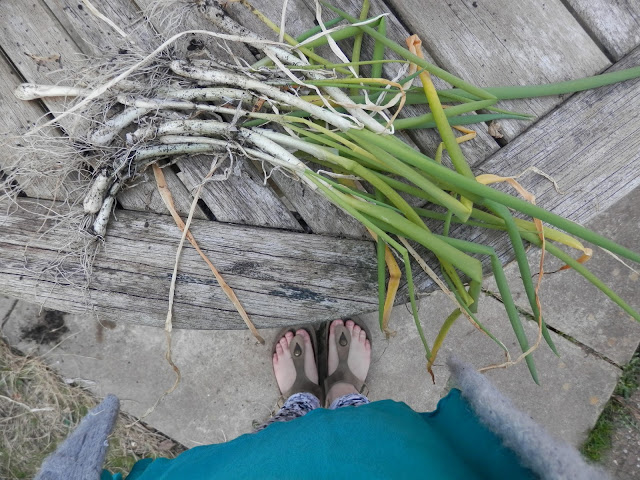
<point>109,22</point>
<point>168,200</point>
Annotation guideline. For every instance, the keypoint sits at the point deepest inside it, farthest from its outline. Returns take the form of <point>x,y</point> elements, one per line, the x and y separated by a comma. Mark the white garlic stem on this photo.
<point>114,126</point>
<point>93,200</point>
<point>31,91</point>
<point>228,78</point>
<point>102,219</point>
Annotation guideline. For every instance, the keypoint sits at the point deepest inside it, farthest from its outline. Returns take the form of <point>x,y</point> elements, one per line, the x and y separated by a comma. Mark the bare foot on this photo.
<point>283,366</point>
<point>358,360</point>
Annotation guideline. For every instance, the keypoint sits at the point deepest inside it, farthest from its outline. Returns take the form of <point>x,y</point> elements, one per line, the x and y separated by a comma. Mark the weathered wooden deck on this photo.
<point>256,234</point>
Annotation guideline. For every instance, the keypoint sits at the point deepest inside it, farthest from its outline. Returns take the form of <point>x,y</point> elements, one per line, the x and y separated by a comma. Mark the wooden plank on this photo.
<point>299,17</point>
<point>16,117</point>
<point>28,30</point>
<point>93,35</point>
<point>321,215</point>
<point>590,146</point>
<point>144,196</point>
<point>241,198</point>
<point>280,277</point>
<point>33,31</point>
<point>498,43</point>
<point>13,28</point>
<point>616,25</point>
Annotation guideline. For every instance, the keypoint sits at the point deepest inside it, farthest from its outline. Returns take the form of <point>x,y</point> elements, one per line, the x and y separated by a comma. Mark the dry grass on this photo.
<point>38,410</point>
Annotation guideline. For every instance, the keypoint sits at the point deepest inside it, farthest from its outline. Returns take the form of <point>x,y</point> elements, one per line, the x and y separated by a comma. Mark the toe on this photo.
<point>284,346</point>
<point>356,331</point>
<point>279,350</point>
<point>363,335</point>
<point>289,336</point>
<point>335,324</point>
<point>306,339</point>
<point>349,325</point>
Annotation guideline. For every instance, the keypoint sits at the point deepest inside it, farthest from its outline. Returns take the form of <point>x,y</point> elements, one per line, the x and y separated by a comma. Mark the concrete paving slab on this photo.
<point>6,306</point>
<point>574,388</point>
<point>227,381</point>
<point>577,308</point>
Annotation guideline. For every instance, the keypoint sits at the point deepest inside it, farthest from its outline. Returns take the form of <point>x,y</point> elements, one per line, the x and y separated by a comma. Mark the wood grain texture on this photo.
<point>321,216</point>
<point>144,196</point>
<point>503,42</point>
<point>300,16</point>
<point>616,24</point>
<point>280,277</point>
<point>93,35</point>
<point>16,117</point>
<point>27,30</point>
<point>242,198</point>
<point>590,145</point>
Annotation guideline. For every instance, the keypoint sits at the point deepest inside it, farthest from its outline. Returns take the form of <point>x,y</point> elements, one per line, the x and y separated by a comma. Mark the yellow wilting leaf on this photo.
<point>440,339</point>
<point>487,179</point>
<point>392,287</point>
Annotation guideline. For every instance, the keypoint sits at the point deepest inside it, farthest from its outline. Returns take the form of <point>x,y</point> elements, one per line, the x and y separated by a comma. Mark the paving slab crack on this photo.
<point>529,316</point>
<point>7,315</point>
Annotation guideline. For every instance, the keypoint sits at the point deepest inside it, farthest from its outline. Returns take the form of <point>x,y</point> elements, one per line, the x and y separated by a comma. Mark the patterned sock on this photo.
<point>350,400</point>
<point>297,405</point>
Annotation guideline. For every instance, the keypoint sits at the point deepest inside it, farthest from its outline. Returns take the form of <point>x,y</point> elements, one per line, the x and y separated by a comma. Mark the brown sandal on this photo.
<point>343,373</point>
<point>296,347</point>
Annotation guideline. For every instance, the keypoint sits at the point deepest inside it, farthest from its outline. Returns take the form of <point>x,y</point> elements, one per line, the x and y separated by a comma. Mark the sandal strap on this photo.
<point>302,382</point>
<point>343,373</point>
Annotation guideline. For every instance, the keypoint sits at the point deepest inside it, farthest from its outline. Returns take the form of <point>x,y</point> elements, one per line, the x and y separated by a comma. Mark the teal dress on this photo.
<point>383,439</point>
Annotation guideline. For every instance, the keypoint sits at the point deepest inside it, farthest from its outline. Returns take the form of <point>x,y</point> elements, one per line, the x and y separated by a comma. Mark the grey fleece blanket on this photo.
<point>549,458</point>
<point>81,455</point>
